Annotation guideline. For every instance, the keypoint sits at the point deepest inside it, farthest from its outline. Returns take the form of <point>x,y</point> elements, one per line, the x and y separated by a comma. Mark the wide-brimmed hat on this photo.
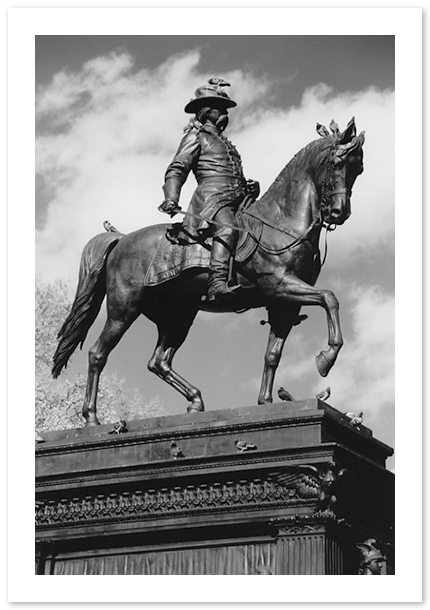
<point>208,94</point>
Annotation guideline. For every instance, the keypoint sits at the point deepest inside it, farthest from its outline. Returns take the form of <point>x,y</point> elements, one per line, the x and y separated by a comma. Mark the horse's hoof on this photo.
<point>195,408</point>
<point>323,364</point>
<point>92,422</point>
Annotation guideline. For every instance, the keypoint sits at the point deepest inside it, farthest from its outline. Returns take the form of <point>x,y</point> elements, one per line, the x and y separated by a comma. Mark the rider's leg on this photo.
<point>224,244</point>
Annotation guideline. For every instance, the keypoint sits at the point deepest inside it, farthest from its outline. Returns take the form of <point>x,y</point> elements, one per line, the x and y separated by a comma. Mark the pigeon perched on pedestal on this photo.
<point>39,438</point>
<point>119,428</point>
<point>242,446</point>
<point>324,394</point>
<point>355,419</point>
<point>284,394</point>
<point>175,450</point>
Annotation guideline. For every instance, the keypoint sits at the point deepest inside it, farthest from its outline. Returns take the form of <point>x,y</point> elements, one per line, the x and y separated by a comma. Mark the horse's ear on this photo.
<point>322,131</point>
<point>349,133</point>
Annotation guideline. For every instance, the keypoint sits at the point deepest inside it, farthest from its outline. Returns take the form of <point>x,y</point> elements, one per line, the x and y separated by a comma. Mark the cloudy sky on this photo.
<point>109,117</point>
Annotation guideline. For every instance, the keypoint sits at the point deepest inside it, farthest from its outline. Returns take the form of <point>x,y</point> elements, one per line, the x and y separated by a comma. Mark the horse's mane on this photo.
<point>285,175</point>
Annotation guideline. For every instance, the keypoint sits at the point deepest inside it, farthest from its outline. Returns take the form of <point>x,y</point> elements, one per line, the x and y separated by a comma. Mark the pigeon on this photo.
<point>219,82</point>
<point>334,127</point>
<point>242,446</point>
<point>119,428</point>
<point>355,419</point>
<point>322,131</point>
<point>39,438</point>
<point>324,394</point>
<point>108,226</point>
<point>284,394</point>
<point>175,450</point>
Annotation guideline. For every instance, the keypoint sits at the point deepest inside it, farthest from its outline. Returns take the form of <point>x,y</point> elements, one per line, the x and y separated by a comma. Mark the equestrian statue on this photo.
<point>232,252</point>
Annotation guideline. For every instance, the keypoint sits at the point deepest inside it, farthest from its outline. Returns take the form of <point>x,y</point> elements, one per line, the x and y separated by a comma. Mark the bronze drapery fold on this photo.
<point>246,559</point>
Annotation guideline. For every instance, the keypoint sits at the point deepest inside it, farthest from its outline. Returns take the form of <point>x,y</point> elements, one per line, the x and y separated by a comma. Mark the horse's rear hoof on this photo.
<point>195,408</point>
<point>91,422</point>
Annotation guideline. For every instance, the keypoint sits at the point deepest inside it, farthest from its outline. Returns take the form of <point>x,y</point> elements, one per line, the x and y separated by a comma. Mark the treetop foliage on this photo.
<point>59,402</point>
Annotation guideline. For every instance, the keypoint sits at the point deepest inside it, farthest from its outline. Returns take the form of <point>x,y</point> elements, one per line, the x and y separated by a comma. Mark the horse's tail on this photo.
<point>90,293</point>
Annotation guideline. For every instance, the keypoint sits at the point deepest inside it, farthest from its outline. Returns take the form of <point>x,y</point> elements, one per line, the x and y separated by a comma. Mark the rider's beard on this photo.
<point>222,122</point>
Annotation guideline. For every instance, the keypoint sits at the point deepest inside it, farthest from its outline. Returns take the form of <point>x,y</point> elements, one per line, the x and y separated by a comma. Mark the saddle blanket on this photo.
<point>171,259</point>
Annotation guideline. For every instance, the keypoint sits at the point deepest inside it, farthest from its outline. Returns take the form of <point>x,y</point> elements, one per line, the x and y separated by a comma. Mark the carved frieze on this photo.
<point>163,501</point>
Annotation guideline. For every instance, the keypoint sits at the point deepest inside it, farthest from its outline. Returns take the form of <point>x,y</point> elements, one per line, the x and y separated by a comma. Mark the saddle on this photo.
<point>178,250</point>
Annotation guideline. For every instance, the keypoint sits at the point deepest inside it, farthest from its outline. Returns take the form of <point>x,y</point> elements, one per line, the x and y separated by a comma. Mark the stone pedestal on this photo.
<point>287,488</point>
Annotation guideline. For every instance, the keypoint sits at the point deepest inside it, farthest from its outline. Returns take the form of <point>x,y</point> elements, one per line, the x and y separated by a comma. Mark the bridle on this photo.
<point>298,239</point>
<point>326,194</point>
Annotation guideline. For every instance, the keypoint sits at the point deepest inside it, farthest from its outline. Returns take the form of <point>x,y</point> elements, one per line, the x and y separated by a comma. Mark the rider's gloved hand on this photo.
<point>253,188</point>
<point>169,207</point>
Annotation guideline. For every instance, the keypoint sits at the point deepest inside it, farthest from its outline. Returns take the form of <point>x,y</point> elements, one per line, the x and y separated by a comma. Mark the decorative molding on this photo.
<point>204,463</point>
<point>242,494</point>
<point>300,528</point>
<point>147,436</point>
<point>305,524</point>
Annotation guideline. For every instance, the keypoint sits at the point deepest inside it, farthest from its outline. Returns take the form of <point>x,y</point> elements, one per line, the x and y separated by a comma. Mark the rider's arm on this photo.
<point>178,170</point>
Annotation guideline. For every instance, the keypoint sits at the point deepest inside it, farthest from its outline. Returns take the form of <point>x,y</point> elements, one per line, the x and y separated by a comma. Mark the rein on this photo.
<point>325,203</point>
<point>297,239</point>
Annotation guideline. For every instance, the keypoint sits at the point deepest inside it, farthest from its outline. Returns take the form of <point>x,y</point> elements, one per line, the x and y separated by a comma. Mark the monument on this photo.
<point>277,488</point>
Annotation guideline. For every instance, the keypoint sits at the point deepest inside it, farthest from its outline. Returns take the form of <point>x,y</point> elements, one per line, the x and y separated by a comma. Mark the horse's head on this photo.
<point>343,163</point>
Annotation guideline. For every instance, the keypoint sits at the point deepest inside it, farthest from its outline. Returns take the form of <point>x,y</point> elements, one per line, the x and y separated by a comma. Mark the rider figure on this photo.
<point>217,167</point>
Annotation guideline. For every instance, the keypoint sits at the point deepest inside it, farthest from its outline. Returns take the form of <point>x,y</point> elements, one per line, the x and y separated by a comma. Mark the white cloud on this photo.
<point>363,377</point>
<point>275,136</point>
<point>107,134</point>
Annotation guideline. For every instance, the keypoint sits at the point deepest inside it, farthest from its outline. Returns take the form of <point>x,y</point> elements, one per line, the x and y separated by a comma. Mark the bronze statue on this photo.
<point>277,263</point>
<point>217,167</point>
<point>372,559</point>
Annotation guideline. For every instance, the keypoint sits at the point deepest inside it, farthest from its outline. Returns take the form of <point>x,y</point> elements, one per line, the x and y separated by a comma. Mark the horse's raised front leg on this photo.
<point>281,322</point>
<point>171,337</point>
<point>295,290</point>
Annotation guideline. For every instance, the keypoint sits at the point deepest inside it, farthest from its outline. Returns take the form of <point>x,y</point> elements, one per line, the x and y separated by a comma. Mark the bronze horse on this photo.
<point>313,191</point>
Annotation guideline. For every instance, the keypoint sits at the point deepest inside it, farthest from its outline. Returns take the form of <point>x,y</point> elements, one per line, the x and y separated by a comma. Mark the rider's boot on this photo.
<point>222,250</point>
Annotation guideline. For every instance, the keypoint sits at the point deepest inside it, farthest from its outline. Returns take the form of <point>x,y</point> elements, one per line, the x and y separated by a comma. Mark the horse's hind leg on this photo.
<point>98,354</point>
<point>172,334</point>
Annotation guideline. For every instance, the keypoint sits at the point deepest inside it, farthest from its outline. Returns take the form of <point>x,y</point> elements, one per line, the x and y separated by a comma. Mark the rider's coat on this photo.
<point>217,167</point>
